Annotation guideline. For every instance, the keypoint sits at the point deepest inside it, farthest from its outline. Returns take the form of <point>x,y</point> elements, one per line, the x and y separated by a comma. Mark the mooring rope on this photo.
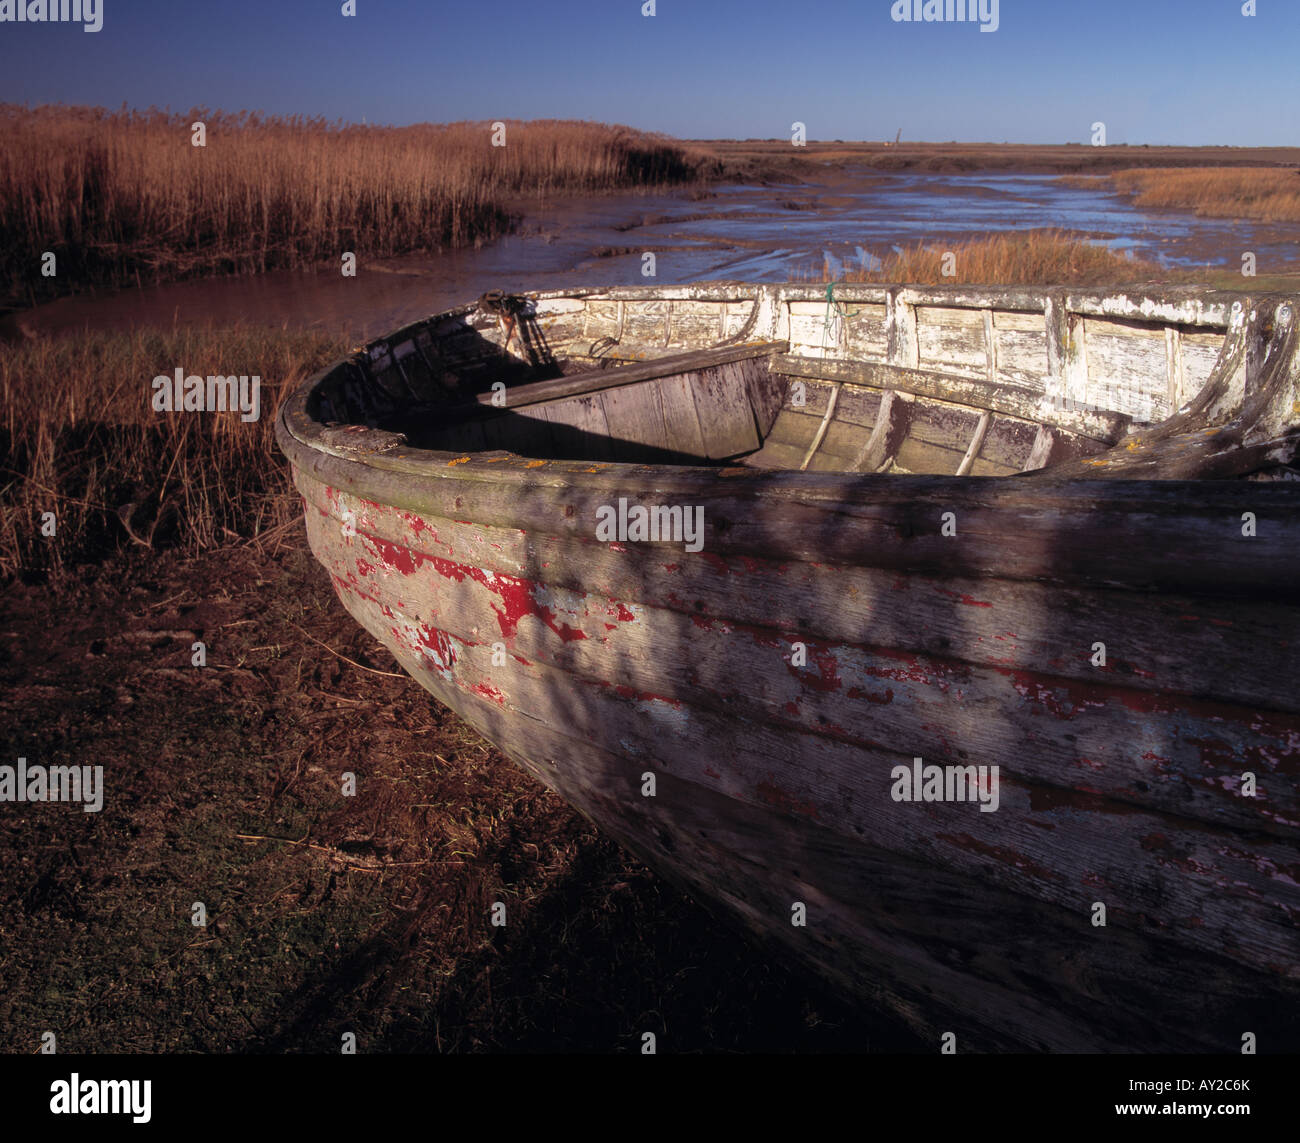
<point>835,311</point>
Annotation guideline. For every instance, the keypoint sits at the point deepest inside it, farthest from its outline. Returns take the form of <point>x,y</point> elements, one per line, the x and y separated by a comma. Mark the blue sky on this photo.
<point>1155,71</point>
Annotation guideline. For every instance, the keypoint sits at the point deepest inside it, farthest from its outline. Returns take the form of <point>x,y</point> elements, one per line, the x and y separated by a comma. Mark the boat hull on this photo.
<point>774,778</point>
<point>1016,758</point>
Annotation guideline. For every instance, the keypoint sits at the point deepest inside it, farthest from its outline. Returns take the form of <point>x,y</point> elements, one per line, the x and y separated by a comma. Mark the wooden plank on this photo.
<point>1157,645</point>
<point>918,457</point>
<point>1200,352</point>
<point>952,340</point>
<point>776,455</point>
<point>767,393</point>
<point>1227,900</point>
<point>526,432</point>
<point>884,923</point>
<point>1022,358</point>
<point>939,423</point>
<point>794,427</point>
<point>983,466</point>
<point>843,444</point>
<point>1127,368</point>
<point>858,405</point>
<point>1097,424</point>
<point>681,422</point>
<point>636,423</point>
<point>1008,444</point>
<point>721,397</point>
<point>597,379</point>
<point>1146,535</point>
<point>579,428</point>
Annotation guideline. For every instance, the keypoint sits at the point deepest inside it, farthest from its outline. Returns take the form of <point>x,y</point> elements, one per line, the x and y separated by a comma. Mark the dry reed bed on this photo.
<point>1270,194</point>
<point>1028,258</point>
<point>121,197</point>
<point>80,438</point>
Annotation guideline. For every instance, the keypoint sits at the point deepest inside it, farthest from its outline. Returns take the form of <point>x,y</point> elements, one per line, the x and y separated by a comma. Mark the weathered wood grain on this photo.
<point>659,730</point>
<point>1141,535</point>
<point>948,953</point>
<point>1131,741</point>
<point>1167,644</point>
<point>597,379</point>
<point>1027,404</point>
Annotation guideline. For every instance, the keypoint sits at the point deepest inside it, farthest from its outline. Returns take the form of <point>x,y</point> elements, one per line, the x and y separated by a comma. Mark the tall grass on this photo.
<point>1268,193</point>
<point>1026,258</point>
<point>121,197</point>
<point>79,438</point>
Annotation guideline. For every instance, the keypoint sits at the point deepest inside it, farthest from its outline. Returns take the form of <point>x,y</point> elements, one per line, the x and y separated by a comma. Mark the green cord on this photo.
<point>833,308</point>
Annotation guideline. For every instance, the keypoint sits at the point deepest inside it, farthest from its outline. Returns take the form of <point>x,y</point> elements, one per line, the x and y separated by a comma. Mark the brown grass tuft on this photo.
<point>79,438</point>
<point>1028,258</point>
<point>1268,193</point>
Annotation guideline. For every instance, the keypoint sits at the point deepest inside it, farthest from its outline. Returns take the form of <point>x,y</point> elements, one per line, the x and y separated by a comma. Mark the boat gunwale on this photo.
<point>381,467</point>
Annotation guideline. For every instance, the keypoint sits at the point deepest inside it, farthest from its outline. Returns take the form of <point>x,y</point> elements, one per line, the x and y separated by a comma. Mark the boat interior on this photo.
<point>849,379</point>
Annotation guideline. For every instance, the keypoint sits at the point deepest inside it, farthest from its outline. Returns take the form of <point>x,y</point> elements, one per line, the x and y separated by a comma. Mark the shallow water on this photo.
<point>748,233</point>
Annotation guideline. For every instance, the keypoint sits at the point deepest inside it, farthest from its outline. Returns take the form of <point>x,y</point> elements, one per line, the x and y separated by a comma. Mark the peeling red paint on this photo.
<point>962,598</point>
<point>1290,874</point>
<point>773,795</point>
<point>1049,799</point>
<point>1166,853</point>
<point>882,699</point>
<point>624,691</point>
<point>827,677</point>
<point>1001,853</point>
<point>716,562</point>
<point>488,692</point>
<point>517,595</point>
<point>438,646</point>
<point>395,557</point>
<point>417,523</point>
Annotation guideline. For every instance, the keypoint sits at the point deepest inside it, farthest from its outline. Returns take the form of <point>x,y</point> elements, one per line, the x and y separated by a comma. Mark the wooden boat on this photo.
<point>898,535</point>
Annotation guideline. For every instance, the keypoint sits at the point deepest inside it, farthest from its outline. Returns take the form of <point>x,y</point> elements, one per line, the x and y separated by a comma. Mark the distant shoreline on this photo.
<point>737,156</point>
